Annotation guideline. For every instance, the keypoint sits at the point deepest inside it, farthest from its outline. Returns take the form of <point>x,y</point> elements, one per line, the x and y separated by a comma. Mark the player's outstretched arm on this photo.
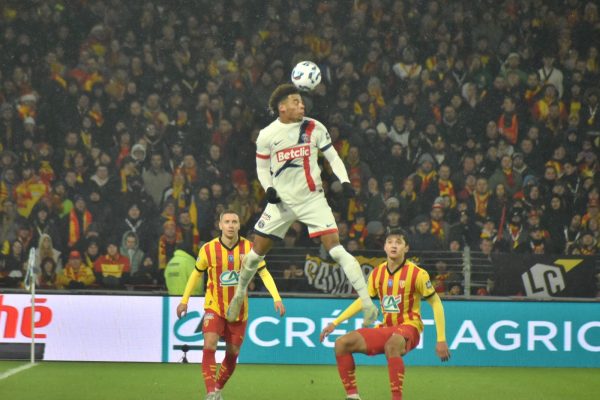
<point>191,284</point>
<point>269,283</point>
<point>348,313</point>
<point>339,169</point>
<point>441,348</point>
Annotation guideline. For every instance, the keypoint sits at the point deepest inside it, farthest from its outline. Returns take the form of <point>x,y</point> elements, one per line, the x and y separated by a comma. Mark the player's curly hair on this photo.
<point>280,93</point>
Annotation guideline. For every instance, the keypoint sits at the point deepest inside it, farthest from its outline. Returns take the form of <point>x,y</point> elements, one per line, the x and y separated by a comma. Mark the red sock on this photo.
<point>396,372</point>
<point>209,367</point>
<point>346,367</point>
<point>226,370</point>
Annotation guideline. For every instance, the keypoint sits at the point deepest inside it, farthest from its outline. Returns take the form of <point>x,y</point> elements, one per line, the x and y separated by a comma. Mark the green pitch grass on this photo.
<point>112,381</point>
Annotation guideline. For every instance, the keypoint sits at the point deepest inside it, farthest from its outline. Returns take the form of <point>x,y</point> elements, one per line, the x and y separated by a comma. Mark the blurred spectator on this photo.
<point>46,250</point>
<point>29,190</point>
<point>178,271</point>
<point>156,179</point>
<point>146,274</point>
<point>77,222</point>
<point>75,275</point>
<point>130,249</point>
<point>112,269</point>
<point>47,276</point>
<point>422,238</point>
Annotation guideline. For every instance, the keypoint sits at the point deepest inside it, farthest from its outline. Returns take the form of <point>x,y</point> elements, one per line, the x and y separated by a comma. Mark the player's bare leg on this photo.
<point>260,247</point>
<point>353,272</point>
<point>395,348</point>
<point>352,342</point>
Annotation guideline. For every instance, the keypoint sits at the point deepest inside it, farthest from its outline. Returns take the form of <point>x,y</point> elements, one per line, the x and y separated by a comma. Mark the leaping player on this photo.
<point>286,165</point>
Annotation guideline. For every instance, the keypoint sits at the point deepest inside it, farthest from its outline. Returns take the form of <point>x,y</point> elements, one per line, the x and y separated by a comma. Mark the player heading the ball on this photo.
<point>287,168</point>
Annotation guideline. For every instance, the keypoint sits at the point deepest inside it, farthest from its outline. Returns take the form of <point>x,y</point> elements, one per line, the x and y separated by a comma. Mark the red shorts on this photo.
<point>376,338</point>
<point>231,332</point>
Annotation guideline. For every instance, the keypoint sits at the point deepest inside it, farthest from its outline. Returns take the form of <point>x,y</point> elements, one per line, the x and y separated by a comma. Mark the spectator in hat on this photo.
<point>511,65</point>
<point>112,269</point>
<point>515,233</point>
<point>75,275</point>
<point>425,173</point>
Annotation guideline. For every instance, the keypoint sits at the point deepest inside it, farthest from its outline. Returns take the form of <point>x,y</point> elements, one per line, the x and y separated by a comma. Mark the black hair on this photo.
<point>397,232</point>
<point>281,93</point>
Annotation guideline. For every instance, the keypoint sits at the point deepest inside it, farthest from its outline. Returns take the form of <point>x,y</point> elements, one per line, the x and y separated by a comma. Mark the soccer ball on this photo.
<point>306,75</point>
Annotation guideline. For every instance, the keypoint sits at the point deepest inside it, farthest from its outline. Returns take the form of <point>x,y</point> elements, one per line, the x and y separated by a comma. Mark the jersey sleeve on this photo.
<point>261,265</point>
<point>371,284</point>
<point>423,284</point>
<point>202,260</point>
<point>322,138</point>
<point>263,149</point>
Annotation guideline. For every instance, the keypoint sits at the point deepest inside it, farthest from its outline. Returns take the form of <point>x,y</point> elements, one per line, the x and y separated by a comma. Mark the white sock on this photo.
<point>353,272</point>
<point>248,269</point>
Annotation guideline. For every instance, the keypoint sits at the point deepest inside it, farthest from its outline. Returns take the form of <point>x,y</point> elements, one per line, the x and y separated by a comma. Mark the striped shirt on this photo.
<point>400,293</point>
<point>222,266</point>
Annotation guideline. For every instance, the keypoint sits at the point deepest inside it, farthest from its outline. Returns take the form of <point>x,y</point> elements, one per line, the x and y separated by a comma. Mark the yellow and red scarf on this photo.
<point>481,203</point>
<point>426,179</point>
<point>446,188</point>
<point>75,229</point>
<point>162,249</point>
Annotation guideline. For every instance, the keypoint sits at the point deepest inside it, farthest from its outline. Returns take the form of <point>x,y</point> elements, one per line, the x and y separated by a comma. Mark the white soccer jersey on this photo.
<point>293,150</point>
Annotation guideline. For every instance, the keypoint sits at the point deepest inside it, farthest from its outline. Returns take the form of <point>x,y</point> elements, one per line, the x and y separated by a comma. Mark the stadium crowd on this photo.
<point>127,127</point>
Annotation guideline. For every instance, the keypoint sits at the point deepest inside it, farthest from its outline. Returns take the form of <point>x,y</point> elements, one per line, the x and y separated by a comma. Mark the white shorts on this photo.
<point>315,213</point>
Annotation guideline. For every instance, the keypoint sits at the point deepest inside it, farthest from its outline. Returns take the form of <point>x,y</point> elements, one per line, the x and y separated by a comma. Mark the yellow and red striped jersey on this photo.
<point>400,293</point>
<point>222,266</point>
